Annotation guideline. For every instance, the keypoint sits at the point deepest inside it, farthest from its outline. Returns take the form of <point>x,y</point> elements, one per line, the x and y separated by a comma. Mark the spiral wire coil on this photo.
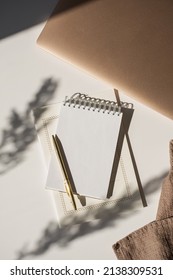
<point>80,100</point>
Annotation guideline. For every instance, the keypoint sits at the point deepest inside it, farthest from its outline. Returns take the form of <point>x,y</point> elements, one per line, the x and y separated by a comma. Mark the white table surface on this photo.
<point>28,223</point>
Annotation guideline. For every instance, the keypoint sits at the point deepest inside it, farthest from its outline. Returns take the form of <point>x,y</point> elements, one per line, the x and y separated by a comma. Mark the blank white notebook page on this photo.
<point>89,140</point>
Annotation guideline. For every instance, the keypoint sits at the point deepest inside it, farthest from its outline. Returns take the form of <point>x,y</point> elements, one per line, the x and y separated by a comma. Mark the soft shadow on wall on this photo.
<point>105,216</point>
<point>19,15</point>
<point>20,133</point>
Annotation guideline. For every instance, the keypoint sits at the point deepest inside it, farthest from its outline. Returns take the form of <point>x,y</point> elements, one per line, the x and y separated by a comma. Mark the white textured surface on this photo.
<point>26,211</point>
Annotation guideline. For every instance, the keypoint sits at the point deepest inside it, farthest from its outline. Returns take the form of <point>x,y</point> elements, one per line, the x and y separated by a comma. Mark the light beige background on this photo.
<point>28,223</point>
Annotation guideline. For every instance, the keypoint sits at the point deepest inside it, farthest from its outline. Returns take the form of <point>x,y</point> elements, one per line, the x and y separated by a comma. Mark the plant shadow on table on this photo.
<point>20,132</point>
<point>105,216</point>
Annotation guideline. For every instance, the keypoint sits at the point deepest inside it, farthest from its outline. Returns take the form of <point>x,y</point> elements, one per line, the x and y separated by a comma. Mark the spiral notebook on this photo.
<point>88,130</point>
<point>126,188</point>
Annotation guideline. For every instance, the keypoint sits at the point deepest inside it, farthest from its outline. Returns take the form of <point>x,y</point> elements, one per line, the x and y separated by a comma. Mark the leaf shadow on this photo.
<point>20,132</point>
<point>106,216</point>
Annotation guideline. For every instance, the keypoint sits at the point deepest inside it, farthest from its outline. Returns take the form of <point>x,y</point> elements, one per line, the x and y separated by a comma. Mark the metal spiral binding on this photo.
<point>85,102</point>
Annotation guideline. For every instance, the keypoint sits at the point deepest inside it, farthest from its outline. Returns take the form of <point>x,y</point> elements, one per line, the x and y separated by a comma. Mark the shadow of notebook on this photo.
<point>128,44</point>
